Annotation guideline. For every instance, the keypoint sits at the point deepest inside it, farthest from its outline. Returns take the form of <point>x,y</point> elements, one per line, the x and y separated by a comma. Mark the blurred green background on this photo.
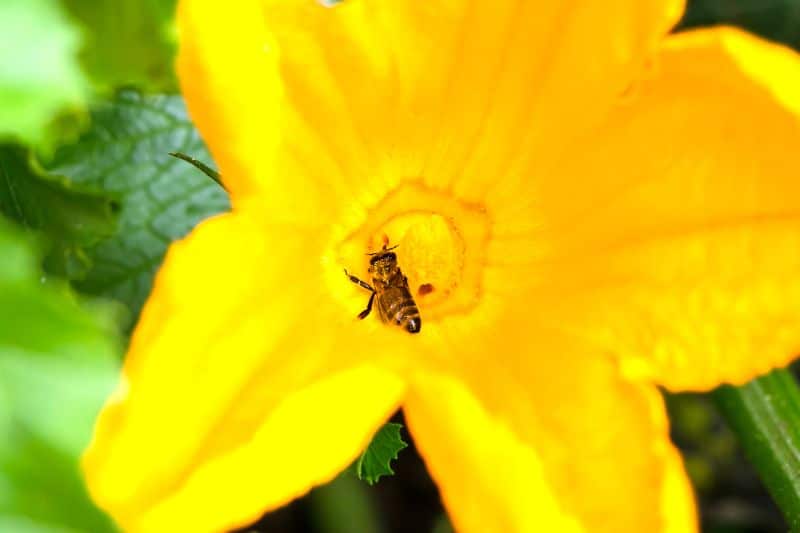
<point>89,201</point>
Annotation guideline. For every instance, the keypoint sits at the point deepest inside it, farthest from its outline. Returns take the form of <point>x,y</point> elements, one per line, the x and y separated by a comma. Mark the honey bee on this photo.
<point>390,288</point>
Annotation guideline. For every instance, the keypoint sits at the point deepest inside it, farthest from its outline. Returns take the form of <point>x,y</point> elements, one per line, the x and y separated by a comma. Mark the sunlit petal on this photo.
<point>675,229</point>
<point>228,407</point>
<point>369,94</point>
<point>536,436</point>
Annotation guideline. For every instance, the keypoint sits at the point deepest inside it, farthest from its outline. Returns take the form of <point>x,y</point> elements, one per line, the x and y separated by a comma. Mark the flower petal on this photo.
<point>371,93</point>
<point>675,230</point>
<point>223,386</point>
<point>228,72</point>
<point>489,480</point>
<point>532,439</point>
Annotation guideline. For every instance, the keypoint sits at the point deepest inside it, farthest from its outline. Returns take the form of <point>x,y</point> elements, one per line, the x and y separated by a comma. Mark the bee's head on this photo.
<point>382,257</point>
<point>383,264</point>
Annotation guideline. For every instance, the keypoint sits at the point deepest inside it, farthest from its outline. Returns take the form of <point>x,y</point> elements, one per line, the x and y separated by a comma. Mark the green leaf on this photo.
<point>344,505</point>
<point>57,365</point>
<point>778,20</point>
<point>765,416</point>
<point>39,72</point>
<point>126,154</point>
<point>128,42</point>
<point>70,219</point>
<point>376,459</point>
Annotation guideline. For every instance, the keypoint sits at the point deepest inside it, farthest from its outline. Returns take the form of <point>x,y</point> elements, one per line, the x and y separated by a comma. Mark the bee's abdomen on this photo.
<point>408,317</point>
<point>413,323</point>
<point>400,309</point>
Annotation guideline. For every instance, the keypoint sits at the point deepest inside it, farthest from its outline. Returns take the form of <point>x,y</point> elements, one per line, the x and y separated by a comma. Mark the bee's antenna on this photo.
<point>384,249</point>
<point>205,169</point>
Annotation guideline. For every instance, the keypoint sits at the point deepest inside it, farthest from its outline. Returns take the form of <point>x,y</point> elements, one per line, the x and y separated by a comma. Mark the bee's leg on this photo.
<point>358,281</point>
<point>363,314</point>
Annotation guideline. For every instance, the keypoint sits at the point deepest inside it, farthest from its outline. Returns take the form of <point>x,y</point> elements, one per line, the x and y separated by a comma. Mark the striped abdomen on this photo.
<point>396,306</point>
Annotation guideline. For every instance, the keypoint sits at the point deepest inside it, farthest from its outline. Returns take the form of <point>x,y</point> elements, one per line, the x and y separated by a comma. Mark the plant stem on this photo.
<point>765,416</point>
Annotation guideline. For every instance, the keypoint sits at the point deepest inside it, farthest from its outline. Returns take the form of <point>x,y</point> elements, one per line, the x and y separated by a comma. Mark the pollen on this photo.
<point>425,289</point>
<point>432,252</point>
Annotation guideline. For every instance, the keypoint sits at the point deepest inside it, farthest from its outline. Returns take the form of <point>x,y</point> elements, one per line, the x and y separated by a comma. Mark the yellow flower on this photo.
<point>599,210</point>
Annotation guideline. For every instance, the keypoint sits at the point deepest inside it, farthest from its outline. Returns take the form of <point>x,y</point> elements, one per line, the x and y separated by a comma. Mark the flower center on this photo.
<point>441,246</point>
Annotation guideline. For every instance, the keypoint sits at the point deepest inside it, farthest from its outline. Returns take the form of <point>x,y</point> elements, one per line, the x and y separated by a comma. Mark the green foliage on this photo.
<point>127,42</point>
<point>344,505</point>
<point>71,219</point>
<point>39,72</point>
<point>777,19</point>
<point>202,167</point>
<point>57,365</point>
<point>126,154</point>
<point>765,416</point>
<point>376,459</point>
